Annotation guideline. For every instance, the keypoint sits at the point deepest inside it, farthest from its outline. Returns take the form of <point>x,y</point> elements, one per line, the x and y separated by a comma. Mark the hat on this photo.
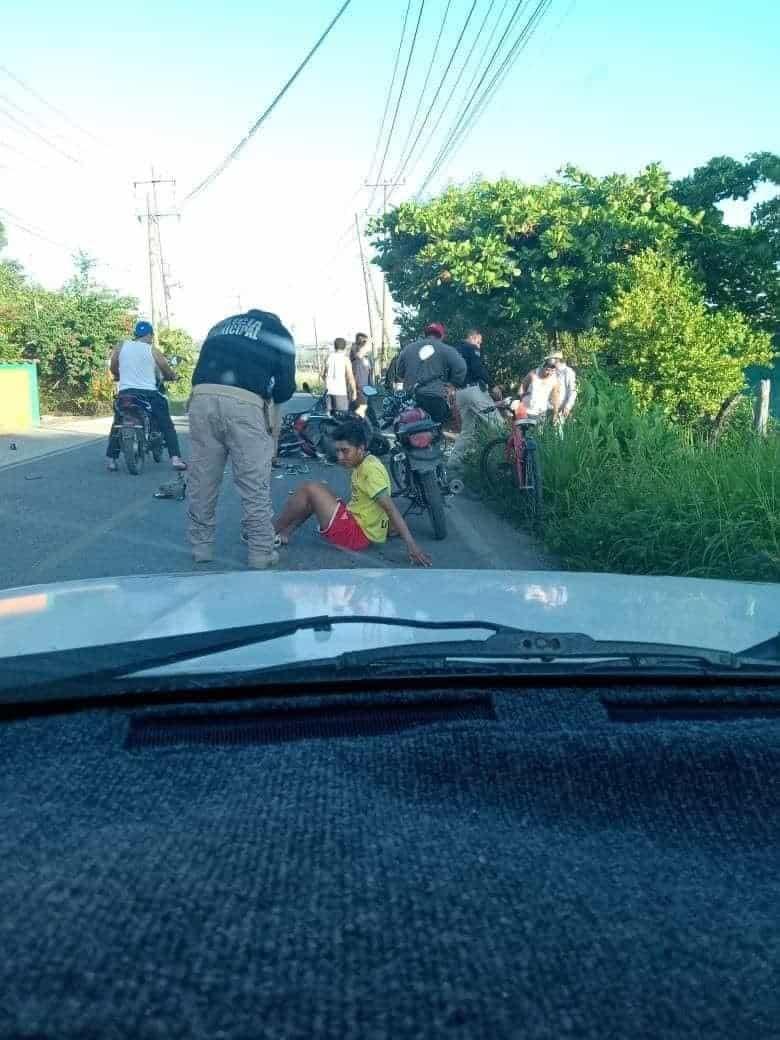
<point>556,356</point>
<point>143,328</point>
<point>436,329</point>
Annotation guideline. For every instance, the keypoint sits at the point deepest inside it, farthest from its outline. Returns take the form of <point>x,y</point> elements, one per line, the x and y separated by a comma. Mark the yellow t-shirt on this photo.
<point>370,480</point>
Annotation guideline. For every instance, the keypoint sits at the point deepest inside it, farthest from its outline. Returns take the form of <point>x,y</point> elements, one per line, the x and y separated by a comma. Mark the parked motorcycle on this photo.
<point>416,461</point>
<point>137,431</point>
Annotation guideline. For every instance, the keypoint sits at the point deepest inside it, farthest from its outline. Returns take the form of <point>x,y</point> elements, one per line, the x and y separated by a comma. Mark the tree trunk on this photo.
<point>720,420</point>
<point>762,407</point>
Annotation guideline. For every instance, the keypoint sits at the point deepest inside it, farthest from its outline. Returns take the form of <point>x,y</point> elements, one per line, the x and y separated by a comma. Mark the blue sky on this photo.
<point>607,86</point>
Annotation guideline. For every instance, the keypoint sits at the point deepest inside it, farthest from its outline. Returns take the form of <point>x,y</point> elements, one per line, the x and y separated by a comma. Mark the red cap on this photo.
<point>436,329</point>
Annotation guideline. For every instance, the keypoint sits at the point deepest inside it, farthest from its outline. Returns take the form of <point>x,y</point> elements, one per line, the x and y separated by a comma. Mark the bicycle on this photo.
<point>514,459</point>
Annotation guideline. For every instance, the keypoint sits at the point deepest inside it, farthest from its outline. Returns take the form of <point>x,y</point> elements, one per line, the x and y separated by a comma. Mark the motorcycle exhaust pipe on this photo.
<point>456,486</point>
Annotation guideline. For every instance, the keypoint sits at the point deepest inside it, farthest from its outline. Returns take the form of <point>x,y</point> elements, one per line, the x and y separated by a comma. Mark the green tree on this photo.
<point>180,349</point>
<point>737,265</point>
<point>514,258</point>
<point>670,348</point>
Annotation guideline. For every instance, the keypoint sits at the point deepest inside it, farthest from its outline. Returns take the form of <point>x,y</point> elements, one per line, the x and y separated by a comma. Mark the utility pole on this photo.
<point>154,247</point>
<point>316,343</point>
<point>365,286</point>
<point>385,186</point>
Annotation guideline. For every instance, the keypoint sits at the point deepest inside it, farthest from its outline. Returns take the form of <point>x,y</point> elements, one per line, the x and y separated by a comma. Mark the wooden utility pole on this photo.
<point>152,298</point>
<point>385,186</point>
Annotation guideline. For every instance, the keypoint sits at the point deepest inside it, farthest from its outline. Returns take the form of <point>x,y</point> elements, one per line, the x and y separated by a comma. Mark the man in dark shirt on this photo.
<point>428,367</point>
<point>474,402</point>
<point>246,368</point>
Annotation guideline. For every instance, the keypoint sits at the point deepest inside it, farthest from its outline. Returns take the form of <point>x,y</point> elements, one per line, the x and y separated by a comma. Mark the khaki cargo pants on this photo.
<point>476,408</point>
<point>228,421</point>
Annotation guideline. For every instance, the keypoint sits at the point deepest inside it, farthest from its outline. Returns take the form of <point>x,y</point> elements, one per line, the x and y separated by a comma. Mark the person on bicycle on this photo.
<point>135,364</point>
<point>428,367</point>
<point>541,393</point>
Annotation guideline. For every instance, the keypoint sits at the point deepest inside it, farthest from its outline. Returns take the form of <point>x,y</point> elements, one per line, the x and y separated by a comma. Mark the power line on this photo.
<point>48,104</point>
<point>407,158</point>
<point>32,229</point>
<point>259,122</point>
<point>388,99</point>
<point>46,141</point>
<point>431,63</point>
<point>455,127</point>
<point>477,105</point>
<point>378,176</point>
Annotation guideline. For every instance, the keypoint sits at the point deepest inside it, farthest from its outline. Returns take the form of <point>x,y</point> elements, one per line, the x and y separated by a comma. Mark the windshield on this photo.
<point>446,313</point>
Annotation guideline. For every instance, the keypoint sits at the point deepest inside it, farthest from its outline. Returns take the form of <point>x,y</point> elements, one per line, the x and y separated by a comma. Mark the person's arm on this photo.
<point>397,522</point>
<point>164,366</point>
<point>457,367</point>
<point>113,364</point>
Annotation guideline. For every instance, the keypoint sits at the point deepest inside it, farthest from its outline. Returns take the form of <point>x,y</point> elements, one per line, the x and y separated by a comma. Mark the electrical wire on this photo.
<point>453,55</point>
<point>431,64</point>
<point>378,177</point>
<point>477,105</point>
<point>48,104</point>
<point>207,181</point>
<point>46,141</point>
<point>389,96</point>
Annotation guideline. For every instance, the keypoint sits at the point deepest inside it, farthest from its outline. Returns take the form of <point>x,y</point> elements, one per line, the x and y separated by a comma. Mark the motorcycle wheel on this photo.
<point>434,503</point>
<point>398,471</point>
<point>133,450</point>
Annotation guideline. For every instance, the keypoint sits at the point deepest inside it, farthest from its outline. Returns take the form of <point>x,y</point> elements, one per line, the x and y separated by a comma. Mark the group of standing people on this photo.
<point>346,374</point>
<point>244,375</point>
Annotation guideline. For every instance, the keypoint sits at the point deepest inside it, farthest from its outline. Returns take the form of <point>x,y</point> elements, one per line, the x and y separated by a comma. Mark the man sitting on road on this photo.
<point>246,369</point>
<point>134,363</point>
<point>428,366</point>
<point>366,519</point>
<point>475,405</point>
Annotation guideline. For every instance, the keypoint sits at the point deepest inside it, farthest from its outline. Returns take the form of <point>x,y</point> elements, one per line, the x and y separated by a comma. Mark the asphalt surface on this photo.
<point>64,517</point>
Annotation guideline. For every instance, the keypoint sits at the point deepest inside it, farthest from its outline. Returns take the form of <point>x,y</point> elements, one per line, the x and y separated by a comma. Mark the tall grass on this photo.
<point>632,493</point>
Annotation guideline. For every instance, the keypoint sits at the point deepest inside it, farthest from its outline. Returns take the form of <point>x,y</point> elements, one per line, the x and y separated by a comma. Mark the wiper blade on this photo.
<point>50,671</point>
<point>38,676</point>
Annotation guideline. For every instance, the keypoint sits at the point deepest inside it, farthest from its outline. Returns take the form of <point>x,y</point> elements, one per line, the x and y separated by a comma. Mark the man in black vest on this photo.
<point>246,368</point>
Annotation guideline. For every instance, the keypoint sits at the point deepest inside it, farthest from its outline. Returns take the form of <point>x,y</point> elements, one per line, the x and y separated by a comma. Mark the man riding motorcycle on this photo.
<point>427,367</point>
<point>134,364</point>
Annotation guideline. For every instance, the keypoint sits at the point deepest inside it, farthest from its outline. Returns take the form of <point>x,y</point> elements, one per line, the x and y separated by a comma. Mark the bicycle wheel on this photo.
<point>497,465</point>
<point>531,485</point>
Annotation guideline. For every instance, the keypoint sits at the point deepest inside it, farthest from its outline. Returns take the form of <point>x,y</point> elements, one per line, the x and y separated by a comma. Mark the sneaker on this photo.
<point>178,463</point>
<point>262,563</point>
<point>112,466</point>
<point>202,554</point>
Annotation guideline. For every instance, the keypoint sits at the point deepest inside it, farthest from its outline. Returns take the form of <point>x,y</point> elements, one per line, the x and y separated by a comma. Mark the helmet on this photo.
<point>143,328</point>
<point>436,329</point>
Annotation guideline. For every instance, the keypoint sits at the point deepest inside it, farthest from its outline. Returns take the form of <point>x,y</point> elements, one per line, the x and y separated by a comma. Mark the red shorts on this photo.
<point>344,531</point>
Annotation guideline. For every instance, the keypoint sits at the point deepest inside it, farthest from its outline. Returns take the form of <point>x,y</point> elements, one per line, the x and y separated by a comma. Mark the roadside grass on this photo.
<point>632,493</point>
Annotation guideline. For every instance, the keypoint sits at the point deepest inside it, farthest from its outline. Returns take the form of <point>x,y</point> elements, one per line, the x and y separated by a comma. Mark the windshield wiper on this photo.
<point>49,674</point>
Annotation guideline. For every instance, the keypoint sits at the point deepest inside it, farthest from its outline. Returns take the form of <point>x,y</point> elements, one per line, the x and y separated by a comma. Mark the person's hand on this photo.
<point>417,556</point>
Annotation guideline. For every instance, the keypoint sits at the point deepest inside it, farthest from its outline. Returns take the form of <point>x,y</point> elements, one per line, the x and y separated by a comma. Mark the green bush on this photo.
<point>631,492</point>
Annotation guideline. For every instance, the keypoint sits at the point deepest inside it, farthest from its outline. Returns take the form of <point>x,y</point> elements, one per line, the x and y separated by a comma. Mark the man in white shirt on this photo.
<point>338,377</point>
<point>134,363</point>
<point>567,378</point>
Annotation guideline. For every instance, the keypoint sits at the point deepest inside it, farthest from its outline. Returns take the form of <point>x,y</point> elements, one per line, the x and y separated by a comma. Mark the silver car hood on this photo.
<point>723,615</point>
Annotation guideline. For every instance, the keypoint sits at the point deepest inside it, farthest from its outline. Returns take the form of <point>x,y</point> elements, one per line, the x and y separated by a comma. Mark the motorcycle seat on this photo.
<point>421,426</point>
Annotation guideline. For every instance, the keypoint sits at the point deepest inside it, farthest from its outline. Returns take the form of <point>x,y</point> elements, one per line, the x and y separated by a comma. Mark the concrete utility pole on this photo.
<point>156,260</point>
<point>365,286</point>
<point>385,186</point>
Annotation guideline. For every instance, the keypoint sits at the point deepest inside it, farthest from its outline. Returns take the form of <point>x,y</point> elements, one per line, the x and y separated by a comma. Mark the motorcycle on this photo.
<point>416,461</point>
<point>137,431</point>
<point>309,432</point>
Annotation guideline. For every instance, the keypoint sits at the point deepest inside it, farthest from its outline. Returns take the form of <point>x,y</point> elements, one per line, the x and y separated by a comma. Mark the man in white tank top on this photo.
<point>134,364</point>
<point>541,391</point>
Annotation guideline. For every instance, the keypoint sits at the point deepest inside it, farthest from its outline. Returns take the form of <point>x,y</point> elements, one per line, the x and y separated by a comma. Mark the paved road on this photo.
<point>64,517</point>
